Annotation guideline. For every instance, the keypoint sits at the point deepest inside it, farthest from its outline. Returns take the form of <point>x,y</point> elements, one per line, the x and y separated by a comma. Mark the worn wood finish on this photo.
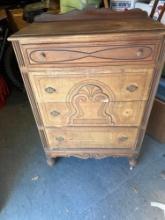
<point>57,114</point>
<point>91,137</point>
<point>92,86</point>
<point>87,53</point>
<point>63,88</point>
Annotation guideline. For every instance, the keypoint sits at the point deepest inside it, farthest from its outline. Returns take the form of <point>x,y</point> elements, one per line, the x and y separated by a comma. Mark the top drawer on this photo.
<point>89,54</point>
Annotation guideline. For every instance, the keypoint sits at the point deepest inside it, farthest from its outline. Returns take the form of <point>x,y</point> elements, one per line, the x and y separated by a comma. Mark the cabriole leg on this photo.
<point>50,161</point>
<point>133,161</point>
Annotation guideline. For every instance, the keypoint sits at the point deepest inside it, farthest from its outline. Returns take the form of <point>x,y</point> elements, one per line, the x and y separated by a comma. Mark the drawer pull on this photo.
<point>55,113</point>
<point>60,139</point>
<point>132,88</point>
<point>50,90</point>
<point>43,54</point>
<point>139,53</point>
<point>123,138</point>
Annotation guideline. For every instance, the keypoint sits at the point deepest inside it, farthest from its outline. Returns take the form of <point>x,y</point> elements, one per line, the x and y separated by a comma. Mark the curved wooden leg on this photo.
<point>133,162</point>
<point>50,161</point>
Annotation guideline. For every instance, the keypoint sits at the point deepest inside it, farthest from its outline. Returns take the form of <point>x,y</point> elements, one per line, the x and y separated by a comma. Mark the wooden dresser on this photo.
<point>91,82</point>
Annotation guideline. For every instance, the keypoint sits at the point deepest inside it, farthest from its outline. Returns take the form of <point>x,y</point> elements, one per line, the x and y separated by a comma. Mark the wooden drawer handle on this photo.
<point>60,139</point>
<point>50,90</point>
<point>123,138</point>
<point>55,113</point>
<point>139,53</point>
<point>132,88</point>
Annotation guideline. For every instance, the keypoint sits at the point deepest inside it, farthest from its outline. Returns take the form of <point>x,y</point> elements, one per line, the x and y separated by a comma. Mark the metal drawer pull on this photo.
<point>50,90</point>
<point>43,54</point>
<point>132,88</point>
<point>123,138</point>
<point>139,53</point>
<point>60,139</point>
<point>55,113</point>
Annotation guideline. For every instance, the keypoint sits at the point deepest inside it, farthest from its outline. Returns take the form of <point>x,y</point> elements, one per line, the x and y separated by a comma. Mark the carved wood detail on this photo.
<point>134,53</point>
<point>88,103</point>
<point>95,155</point>
<point>88,155</point>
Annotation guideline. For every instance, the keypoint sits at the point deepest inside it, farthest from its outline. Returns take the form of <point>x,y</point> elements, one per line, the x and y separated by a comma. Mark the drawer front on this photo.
<point>91,137</point>
<point>92,113</point>
<point>108,87</point>
<point>89,53</point>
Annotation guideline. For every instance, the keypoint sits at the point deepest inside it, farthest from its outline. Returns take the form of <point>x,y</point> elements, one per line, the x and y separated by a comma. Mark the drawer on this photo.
<point>105,137</point>
<point>92,113</point>
<point>113,87</point>
<point>90,53</point>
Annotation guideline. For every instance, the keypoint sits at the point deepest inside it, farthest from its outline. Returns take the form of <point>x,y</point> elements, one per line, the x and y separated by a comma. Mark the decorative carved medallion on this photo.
<point>89,103</point>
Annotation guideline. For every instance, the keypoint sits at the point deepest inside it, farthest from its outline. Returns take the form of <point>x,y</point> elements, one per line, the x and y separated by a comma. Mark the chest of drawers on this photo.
<point>91,83</point>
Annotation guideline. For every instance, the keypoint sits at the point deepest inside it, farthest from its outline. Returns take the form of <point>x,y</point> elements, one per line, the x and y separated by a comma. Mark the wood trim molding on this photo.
<point>24,75</point>
<point>155,82</point>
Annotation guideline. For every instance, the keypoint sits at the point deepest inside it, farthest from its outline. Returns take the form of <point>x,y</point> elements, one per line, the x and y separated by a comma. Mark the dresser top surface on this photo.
<point>117,24</point>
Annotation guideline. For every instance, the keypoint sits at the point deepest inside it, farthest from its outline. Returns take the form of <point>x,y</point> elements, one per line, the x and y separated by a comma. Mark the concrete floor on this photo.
<point>73,188</point>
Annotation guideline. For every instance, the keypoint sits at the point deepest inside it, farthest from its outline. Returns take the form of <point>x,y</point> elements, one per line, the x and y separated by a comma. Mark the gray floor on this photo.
<point>74,188</point>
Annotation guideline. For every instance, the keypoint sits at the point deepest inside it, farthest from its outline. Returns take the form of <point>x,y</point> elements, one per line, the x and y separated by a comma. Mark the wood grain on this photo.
<point>91,137</point>
<point>88,113</point>
<point>91,86</point>
<point>82,53</point>
<point>130,87</point>
<point>121,22</point>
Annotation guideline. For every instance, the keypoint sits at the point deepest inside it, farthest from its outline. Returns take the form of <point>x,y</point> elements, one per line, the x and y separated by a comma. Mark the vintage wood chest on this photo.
<point>91,82</point>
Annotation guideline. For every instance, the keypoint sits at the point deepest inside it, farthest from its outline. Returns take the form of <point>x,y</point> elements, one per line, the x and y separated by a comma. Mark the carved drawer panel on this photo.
<point>87,53</point>
<point>89,112</point>
<point>113,87</point>
<point>91,137</point>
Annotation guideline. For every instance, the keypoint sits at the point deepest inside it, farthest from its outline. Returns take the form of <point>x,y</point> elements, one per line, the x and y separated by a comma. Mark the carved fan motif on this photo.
<point>89,104</point>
